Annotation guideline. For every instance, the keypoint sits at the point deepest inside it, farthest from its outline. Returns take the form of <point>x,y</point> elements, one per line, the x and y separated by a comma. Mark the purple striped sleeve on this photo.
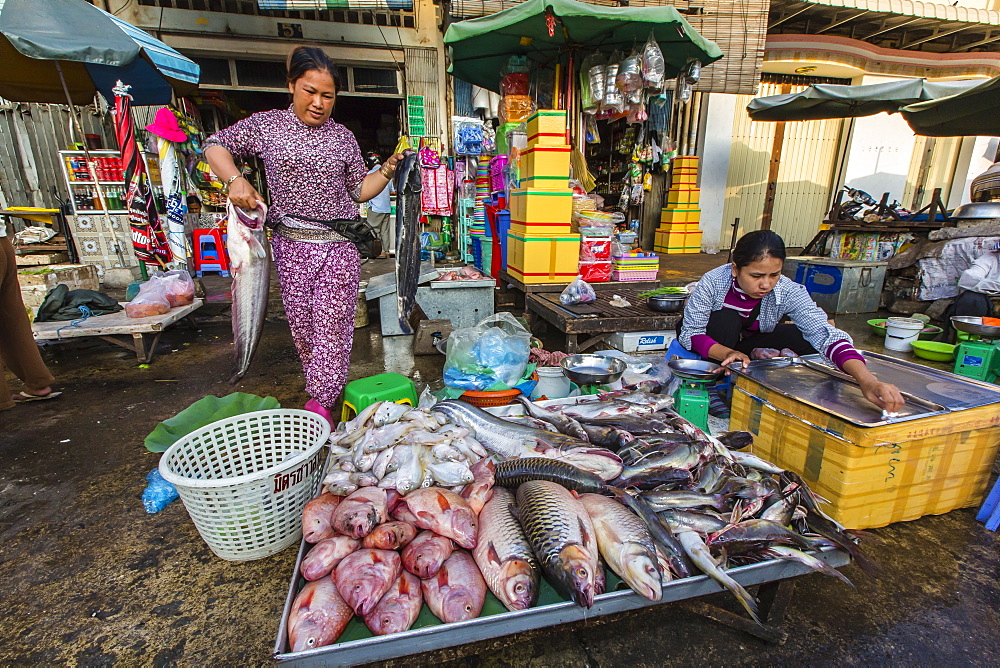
<point>701,343</point>
<point>841,351</point>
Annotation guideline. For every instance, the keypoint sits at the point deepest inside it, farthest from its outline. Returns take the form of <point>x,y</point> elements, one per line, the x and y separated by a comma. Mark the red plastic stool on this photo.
<point>209,250</point>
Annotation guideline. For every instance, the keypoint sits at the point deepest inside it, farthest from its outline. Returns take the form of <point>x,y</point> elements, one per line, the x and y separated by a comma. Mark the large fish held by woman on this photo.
<point>250,264</point>
<point>408,187</point>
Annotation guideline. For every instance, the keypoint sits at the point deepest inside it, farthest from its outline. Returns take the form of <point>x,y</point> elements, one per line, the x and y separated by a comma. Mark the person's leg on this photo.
<point>380,222</point>
<point>784,336</point>
<point>18,350</point>
<point>725,326</point>
<point>297,270</point>
<point>333,304</point>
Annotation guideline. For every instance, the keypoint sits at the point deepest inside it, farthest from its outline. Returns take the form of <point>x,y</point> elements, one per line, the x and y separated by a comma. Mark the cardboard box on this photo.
<point>550,259</point>
<point>547,122</point>
<point>632,342</point>
<point>678,196</point>
<point>545,161</point>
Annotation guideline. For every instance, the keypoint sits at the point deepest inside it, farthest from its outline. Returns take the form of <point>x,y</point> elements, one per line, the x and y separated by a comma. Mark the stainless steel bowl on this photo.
<point>592,369</point>
<point>696,369</point>
<point>669,303</point>
<point>977,211</point>
<point>974,325</point>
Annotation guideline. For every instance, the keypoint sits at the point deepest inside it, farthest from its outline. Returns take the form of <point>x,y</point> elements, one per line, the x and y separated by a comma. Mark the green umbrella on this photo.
<point>845,101</point>
<point>971,112</point>
<point>481,47</point>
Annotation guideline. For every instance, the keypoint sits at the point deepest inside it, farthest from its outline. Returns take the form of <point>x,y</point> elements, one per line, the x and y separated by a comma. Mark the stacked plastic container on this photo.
<point>540,246</point>
<point>635,267</point>
<point>679,219</point>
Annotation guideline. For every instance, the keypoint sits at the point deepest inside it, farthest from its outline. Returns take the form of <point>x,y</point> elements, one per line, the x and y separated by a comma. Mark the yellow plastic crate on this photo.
<point>677,197</point>
<point>545,161</point>
<point>877,475</point>
<point>542,207</point>
<point>547,122</point>
<point>543,259</point>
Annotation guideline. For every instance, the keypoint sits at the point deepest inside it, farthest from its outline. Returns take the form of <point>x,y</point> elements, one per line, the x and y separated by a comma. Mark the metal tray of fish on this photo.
<point>433,635</point>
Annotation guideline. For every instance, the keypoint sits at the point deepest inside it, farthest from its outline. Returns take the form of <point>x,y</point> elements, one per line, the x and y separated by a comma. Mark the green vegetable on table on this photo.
<point>663,291</point>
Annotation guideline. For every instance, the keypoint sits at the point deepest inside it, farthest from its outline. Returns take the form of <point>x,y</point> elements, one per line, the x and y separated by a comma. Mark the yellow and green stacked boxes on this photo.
<point>680,217</point>
<point>541,245</point>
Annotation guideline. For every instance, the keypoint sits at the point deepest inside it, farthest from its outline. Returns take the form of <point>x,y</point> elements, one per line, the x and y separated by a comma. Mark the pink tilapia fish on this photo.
<point>318,616</point>
<point>479,491</point>
<point>363,577</point>
<point>442,511</point>
<point>399,608</point>
<point>391,535</point>
<point>425,554</point>
<point>458,591</point>
<point>325,555</point>
<point>504,555</point>
<point>250,264</point>
<point>361,511</point>
<point>317,517</point>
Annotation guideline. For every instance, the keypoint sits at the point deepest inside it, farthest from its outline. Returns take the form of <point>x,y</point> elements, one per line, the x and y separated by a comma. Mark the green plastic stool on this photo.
<point>361,393</point>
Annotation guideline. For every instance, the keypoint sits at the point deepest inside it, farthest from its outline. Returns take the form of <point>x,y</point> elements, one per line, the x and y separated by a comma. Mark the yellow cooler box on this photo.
<point>685,162</point>
<point>547,123</point>
<point>541,211</point>
<point>679,198</point>
<point>545,161</point>
<point>935,457</point>
<point>684,178</point>
<point>693,242</point>
<point>543,259</point>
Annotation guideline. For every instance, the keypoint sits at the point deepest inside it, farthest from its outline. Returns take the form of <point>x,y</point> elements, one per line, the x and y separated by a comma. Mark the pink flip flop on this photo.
<point>316,407</point>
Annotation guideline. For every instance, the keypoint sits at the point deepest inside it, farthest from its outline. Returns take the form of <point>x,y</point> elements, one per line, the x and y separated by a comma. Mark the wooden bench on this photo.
<point>137,334</point>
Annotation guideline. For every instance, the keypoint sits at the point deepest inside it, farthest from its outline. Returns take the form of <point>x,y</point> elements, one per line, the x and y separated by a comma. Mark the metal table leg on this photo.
<point>773,597</point>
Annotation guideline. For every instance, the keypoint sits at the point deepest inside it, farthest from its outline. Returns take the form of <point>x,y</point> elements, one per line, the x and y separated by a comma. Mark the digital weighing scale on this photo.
<point>979,357</point>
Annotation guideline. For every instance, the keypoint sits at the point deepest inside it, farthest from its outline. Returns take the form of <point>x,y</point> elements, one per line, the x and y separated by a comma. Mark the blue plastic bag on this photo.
<point>158,493</point>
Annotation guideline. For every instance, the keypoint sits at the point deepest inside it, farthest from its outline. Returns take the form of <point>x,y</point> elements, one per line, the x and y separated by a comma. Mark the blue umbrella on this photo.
<point>66,50</point>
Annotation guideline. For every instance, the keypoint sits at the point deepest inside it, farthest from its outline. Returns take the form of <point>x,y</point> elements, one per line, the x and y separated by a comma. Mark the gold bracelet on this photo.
<point>382,171</point>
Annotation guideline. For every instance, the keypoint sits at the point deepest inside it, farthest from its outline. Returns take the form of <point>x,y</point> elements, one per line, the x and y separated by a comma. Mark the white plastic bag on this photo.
<point>178,285</point>
<point>653,68</point>
<point>577,292</point>
<point>151,300</point>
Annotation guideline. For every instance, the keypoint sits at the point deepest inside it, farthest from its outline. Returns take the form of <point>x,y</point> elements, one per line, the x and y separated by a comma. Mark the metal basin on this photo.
<point>666,303</point>
<point>974,325</point>
<point>977,211</point>
<point>592,369</point>
<point>696,369</point>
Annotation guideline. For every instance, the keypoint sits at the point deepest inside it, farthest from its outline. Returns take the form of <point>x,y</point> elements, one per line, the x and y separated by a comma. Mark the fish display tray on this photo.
<point>359,646</point>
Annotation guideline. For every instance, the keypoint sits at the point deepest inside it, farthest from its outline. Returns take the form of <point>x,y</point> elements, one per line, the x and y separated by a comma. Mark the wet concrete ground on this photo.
<point>88,578</point>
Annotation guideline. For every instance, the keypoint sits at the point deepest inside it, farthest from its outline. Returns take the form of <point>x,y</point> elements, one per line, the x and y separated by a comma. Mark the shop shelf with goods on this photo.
<point>110,181</point>
<point>539,259</point>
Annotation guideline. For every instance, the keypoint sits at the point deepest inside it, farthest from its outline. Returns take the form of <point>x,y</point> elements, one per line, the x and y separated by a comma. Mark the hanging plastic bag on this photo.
<point>494,352</point>
<point>692,73</point>
<point>683,91</point>
<point>628,78</point>
<point>151,300</point>
<point>592,82</point>
<point>614,101</point>
<point>577,292</point>
<point>653,67</point>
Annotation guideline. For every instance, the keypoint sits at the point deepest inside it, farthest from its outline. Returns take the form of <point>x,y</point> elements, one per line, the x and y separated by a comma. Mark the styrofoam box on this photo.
<point>630,342</point>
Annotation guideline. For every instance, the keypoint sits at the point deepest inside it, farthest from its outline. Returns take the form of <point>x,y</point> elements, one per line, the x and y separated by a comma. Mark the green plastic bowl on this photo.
<point>878,327</point>
<point>934,351</point>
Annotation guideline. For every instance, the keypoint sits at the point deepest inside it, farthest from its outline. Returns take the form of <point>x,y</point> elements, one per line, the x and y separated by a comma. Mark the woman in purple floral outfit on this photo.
<point>316,174</point>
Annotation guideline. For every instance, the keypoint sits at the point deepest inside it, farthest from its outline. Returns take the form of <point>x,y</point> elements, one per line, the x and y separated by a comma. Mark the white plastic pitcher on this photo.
<point>552,383</point>
<point>901,332</point>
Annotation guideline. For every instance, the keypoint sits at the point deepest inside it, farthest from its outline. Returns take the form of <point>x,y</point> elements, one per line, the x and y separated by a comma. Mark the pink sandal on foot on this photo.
<point>316,407</point>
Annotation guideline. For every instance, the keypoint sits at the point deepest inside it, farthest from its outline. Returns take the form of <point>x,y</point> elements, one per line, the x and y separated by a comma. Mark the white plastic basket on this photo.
<point>246,479</point>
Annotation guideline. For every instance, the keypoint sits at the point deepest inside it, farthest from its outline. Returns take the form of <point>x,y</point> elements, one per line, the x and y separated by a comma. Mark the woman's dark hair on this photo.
<point>757,245</point>
<point>191,199</point>
<point>302,59</point>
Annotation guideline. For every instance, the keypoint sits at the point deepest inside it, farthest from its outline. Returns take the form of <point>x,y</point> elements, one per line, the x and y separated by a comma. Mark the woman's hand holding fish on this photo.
<point>244,195</point>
